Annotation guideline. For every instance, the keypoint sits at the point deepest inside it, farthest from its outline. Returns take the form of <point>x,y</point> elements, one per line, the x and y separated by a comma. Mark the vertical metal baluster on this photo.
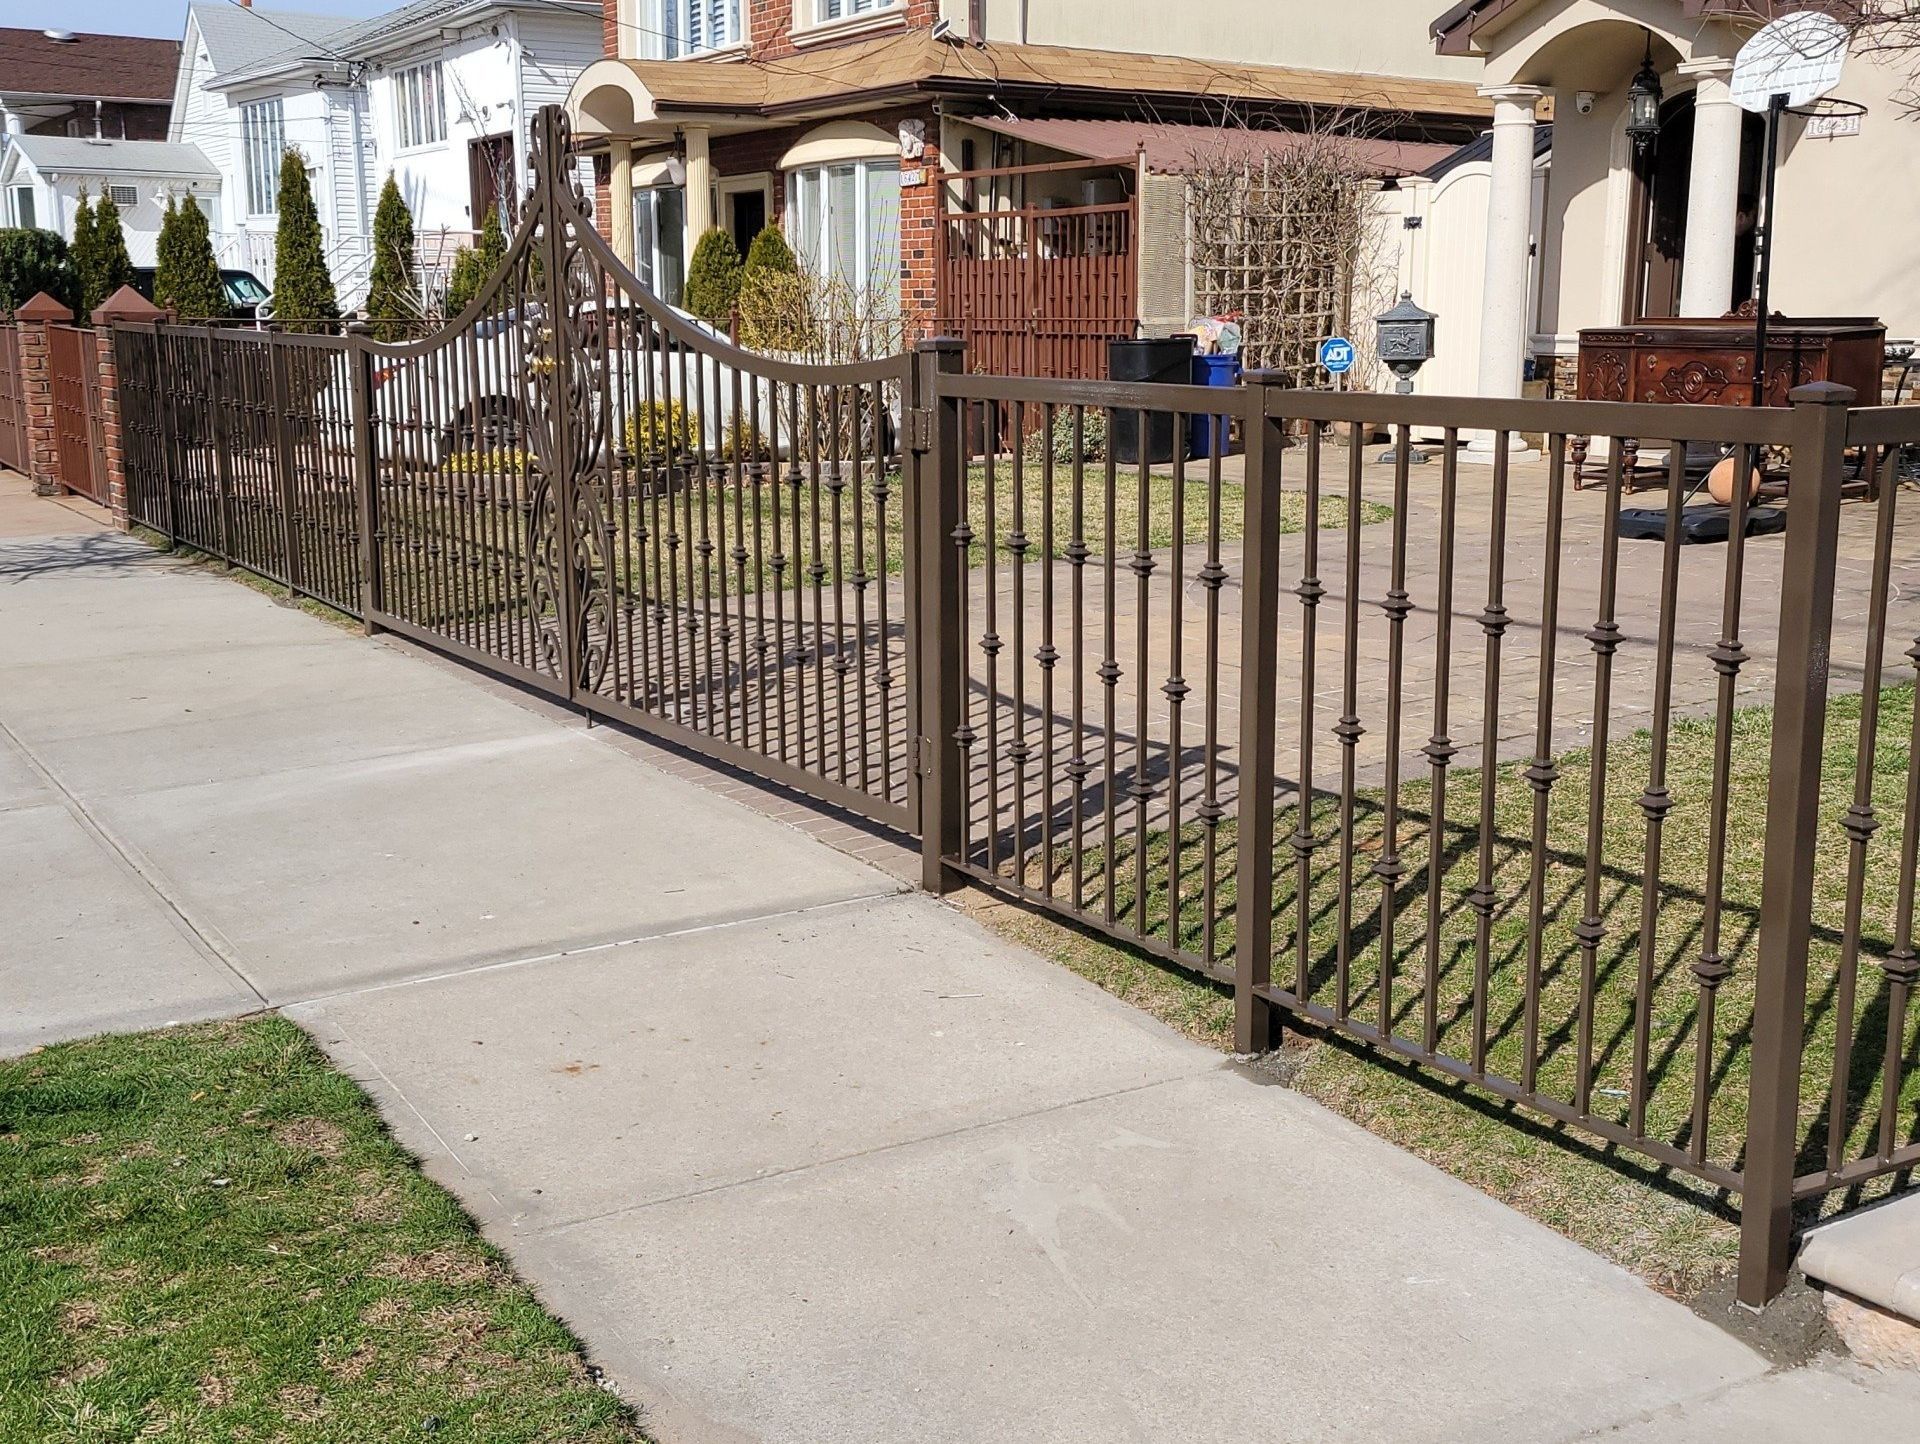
<point>1110,666</point>
<point>1902,963</point>
<point>836,487</point>
<point>704,547</point>
<point>1657,801</point>
<point>990,639</point>
<point>796,484</point>
<point>1047,655</point>
<point>778,561</point>
<point>1212,576</point>
<point>764,647</point>
<point>860,581</point>
<point>1493,623</point>
<point>1387,867</point>
<point>962,538</point>
<point>881,576</point>
<point>1078,768</point>
<point>1440,750</point>
<point>1349,731</point>
<point>817,573</point>
<point>1591,929</point>
<point>1711,969</point>
<point>1175,688</point>
<point>1019,752</point>
<point>746,439</point>
<point>1310,591</point>
<point>1141,565</point>
<point>1862,819</point>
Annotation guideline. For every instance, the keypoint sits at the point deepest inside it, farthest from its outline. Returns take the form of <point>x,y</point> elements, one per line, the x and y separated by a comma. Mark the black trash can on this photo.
<point>1166,359</point>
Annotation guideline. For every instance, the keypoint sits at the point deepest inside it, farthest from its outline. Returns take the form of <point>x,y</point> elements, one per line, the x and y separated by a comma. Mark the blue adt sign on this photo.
<point>1336,355</point>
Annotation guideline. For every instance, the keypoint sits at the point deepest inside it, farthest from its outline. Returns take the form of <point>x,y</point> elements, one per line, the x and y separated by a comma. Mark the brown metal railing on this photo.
<point>1428,758</point>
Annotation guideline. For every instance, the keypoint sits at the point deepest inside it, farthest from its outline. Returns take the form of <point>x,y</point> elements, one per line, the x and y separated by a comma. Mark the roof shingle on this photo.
<point>90,67</point>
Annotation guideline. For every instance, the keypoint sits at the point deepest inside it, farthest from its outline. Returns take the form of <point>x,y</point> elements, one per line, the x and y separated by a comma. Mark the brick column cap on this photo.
<point>43,308</point>
<point>126,304</point>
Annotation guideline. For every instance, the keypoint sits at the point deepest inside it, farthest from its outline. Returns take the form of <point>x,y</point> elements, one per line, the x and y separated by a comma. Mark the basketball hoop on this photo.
<point>1828,107</point>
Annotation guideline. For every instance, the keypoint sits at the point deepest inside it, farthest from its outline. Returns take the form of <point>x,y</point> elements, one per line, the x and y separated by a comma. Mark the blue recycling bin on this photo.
<point>1212,435</point>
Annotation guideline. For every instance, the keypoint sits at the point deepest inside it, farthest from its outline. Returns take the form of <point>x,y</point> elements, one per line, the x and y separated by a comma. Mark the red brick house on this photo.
<point>976,158</point>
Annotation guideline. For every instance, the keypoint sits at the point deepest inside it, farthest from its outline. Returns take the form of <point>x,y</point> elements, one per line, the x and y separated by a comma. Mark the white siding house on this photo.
<point>439,93</point>
<point>43,176</point>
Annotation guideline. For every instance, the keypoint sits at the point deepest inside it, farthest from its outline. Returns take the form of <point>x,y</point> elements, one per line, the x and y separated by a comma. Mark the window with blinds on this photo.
<point>695,25</point>
<point>841,9</point>
<point>420,113</point>
<point>263,139</point>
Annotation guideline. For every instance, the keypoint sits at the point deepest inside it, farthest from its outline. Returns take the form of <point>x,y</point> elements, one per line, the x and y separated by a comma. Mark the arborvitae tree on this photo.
<point>302,289</point>
<point>713,278</point>
<point>83,253</point>
<point>493,242</point>
<point>112,266</point>
<point>771,253</point>
<point>391,295</point>
<point>32,261</point>
<point>187,277</point>
<point>463,281</point>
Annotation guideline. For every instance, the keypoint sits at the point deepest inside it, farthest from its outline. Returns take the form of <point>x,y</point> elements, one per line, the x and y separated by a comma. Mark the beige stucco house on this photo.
<point>1594,238</point>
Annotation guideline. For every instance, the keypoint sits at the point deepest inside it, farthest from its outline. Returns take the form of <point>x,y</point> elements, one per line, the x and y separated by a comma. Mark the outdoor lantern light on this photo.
<point>1643,104</point>
<point>1405,339</point>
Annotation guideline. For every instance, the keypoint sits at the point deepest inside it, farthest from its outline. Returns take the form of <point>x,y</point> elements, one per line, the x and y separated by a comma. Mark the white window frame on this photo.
<point>828,12</point>
<point>419,106</point>
<point>16,195</point>
<point>867,274</point>
<point>701,27</point>
<point>726,187</point>
<point>263,136</point>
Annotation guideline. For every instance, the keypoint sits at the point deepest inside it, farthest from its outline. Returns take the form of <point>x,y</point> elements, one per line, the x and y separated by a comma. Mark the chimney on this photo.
<point>98,107</point>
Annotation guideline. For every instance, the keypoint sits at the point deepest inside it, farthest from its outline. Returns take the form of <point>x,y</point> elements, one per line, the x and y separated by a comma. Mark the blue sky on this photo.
<point>151,17</point>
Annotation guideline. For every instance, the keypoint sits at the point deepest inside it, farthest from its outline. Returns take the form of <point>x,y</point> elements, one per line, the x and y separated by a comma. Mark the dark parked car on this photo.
<point>245,291</point>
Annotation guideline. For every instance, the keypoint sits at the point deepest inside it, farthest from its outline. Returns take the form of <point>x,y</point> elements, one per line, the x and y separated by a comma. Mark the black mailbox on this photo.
<point>1405,339</point>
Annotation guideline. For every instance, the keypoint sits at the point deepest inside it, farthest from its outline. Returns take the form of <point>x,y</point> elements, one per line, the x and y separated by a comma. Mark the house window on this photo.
<point>843,9</point>
<point>845,222</point>
<point>263,137</point>
<point>23,212</point>
<point>421,116</point>
<point>692,26</point>
<point>124,196</point>
<point>660,241</point>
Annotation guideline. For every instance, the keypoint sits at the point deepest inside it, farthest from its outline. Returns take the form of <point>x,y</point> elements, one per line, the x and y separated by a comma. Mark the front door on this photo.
<point>746,216</point>
<point>490,176</point>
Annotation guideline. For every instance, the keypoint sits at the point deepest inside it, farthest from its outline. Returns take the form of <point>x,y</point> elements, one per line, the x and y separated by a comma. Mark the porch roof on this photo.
<point>1177,149</point>
<point>1453,32</point>
<point>69,155</point>
<point>913,63</point>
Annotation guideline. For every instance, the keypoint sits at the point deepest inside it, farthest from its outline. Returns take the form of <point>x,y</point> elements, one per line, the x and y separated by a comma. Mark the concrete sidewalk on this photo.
<point>802,1156</point>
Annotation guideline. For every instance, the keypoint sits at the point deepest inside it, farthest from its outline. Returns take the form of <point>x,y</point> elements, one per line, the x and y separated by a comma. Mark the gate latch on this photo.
<point>920,429</point>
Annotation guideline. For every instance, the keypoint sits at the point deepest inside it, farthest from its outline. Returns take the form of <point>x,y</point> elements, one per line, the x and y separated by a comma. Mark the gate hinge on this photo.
<point>920,429</point>
<point>923,757</point>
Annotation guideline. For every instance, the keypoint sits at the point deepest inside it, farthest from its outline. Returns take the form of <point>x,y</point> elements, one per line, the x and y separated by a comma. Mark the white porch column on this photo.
<point>699,187</point>
<point>1503,311</point>
<point>1713,192</point>
<point>620,202</point>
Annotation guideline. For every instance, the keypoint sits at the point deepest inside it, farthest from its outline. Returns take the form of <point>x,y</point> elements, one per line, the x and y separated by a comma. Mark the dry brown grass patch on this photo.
<point>313,1135</point>
<point>437,1266</point>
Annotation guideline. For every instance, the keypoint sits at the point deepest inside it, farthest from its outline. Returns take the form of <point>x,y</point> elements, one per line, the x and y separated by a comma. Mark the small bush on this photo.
<point>302,289</point>
<point>500,461</point>
<point>390,289</point>
<point>770,254</point>
<point>713,278</point>
<point>1093,437</point>
<point>659,424</point>
<point>187,277</point>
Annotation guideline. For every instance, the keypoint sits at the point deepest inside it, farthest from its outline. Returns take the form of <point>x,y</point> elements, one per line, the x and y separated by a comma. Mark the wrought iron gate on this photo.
<point>578,485</point>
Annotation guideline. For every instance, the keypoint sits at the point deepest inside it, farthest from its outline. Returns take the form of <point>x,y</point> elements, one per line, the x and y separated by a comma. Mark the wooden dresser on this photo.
<point>1710,362</point>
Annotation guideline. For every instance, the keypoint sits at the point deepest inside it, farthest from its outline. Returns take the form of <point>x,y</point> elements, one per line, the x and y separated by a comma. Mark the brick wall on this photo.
<point>770,23</point>
<point>919,204</point>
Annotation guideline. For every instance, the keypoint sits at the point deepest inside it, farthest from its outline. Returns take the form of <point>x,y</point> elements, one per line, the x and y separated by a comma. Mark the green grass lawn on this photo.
<point>1675,1231</point>
<point>206,1234</point>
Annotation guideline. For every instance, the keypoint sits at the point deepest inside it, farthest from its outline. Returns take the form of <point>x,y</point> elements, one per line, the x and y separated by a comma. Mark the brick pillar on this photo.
<point>36,385</point>
<point>125,304</point>
<point>919,206</point>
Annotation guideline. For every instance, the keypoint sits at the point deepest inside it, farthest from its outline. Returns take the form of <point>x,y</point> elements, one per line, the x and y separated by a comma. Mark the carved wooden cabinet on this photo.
<point>1710,363</point>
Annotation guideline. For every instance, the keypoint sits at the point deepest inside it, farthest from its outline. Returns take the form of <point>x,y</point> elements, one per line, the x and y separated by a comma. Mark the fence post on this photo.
<point>366,483</point>
<point>1793,817</point>
<point>935,431</point>
<point>217,403</point>
<point>125,304</point>
<point>37,319</point>
<point>1254,1028</point>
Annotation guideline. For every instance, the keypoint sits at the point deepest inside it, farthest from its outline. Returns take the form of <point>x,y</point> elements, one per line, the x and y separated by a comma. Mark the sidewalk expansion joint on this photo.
<point>203,937</point>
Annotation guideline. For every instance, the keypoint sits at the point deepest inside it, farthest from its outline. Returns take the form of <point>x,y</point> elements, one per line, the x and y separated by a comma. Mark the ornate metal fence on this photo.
<point>1622,833</point>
